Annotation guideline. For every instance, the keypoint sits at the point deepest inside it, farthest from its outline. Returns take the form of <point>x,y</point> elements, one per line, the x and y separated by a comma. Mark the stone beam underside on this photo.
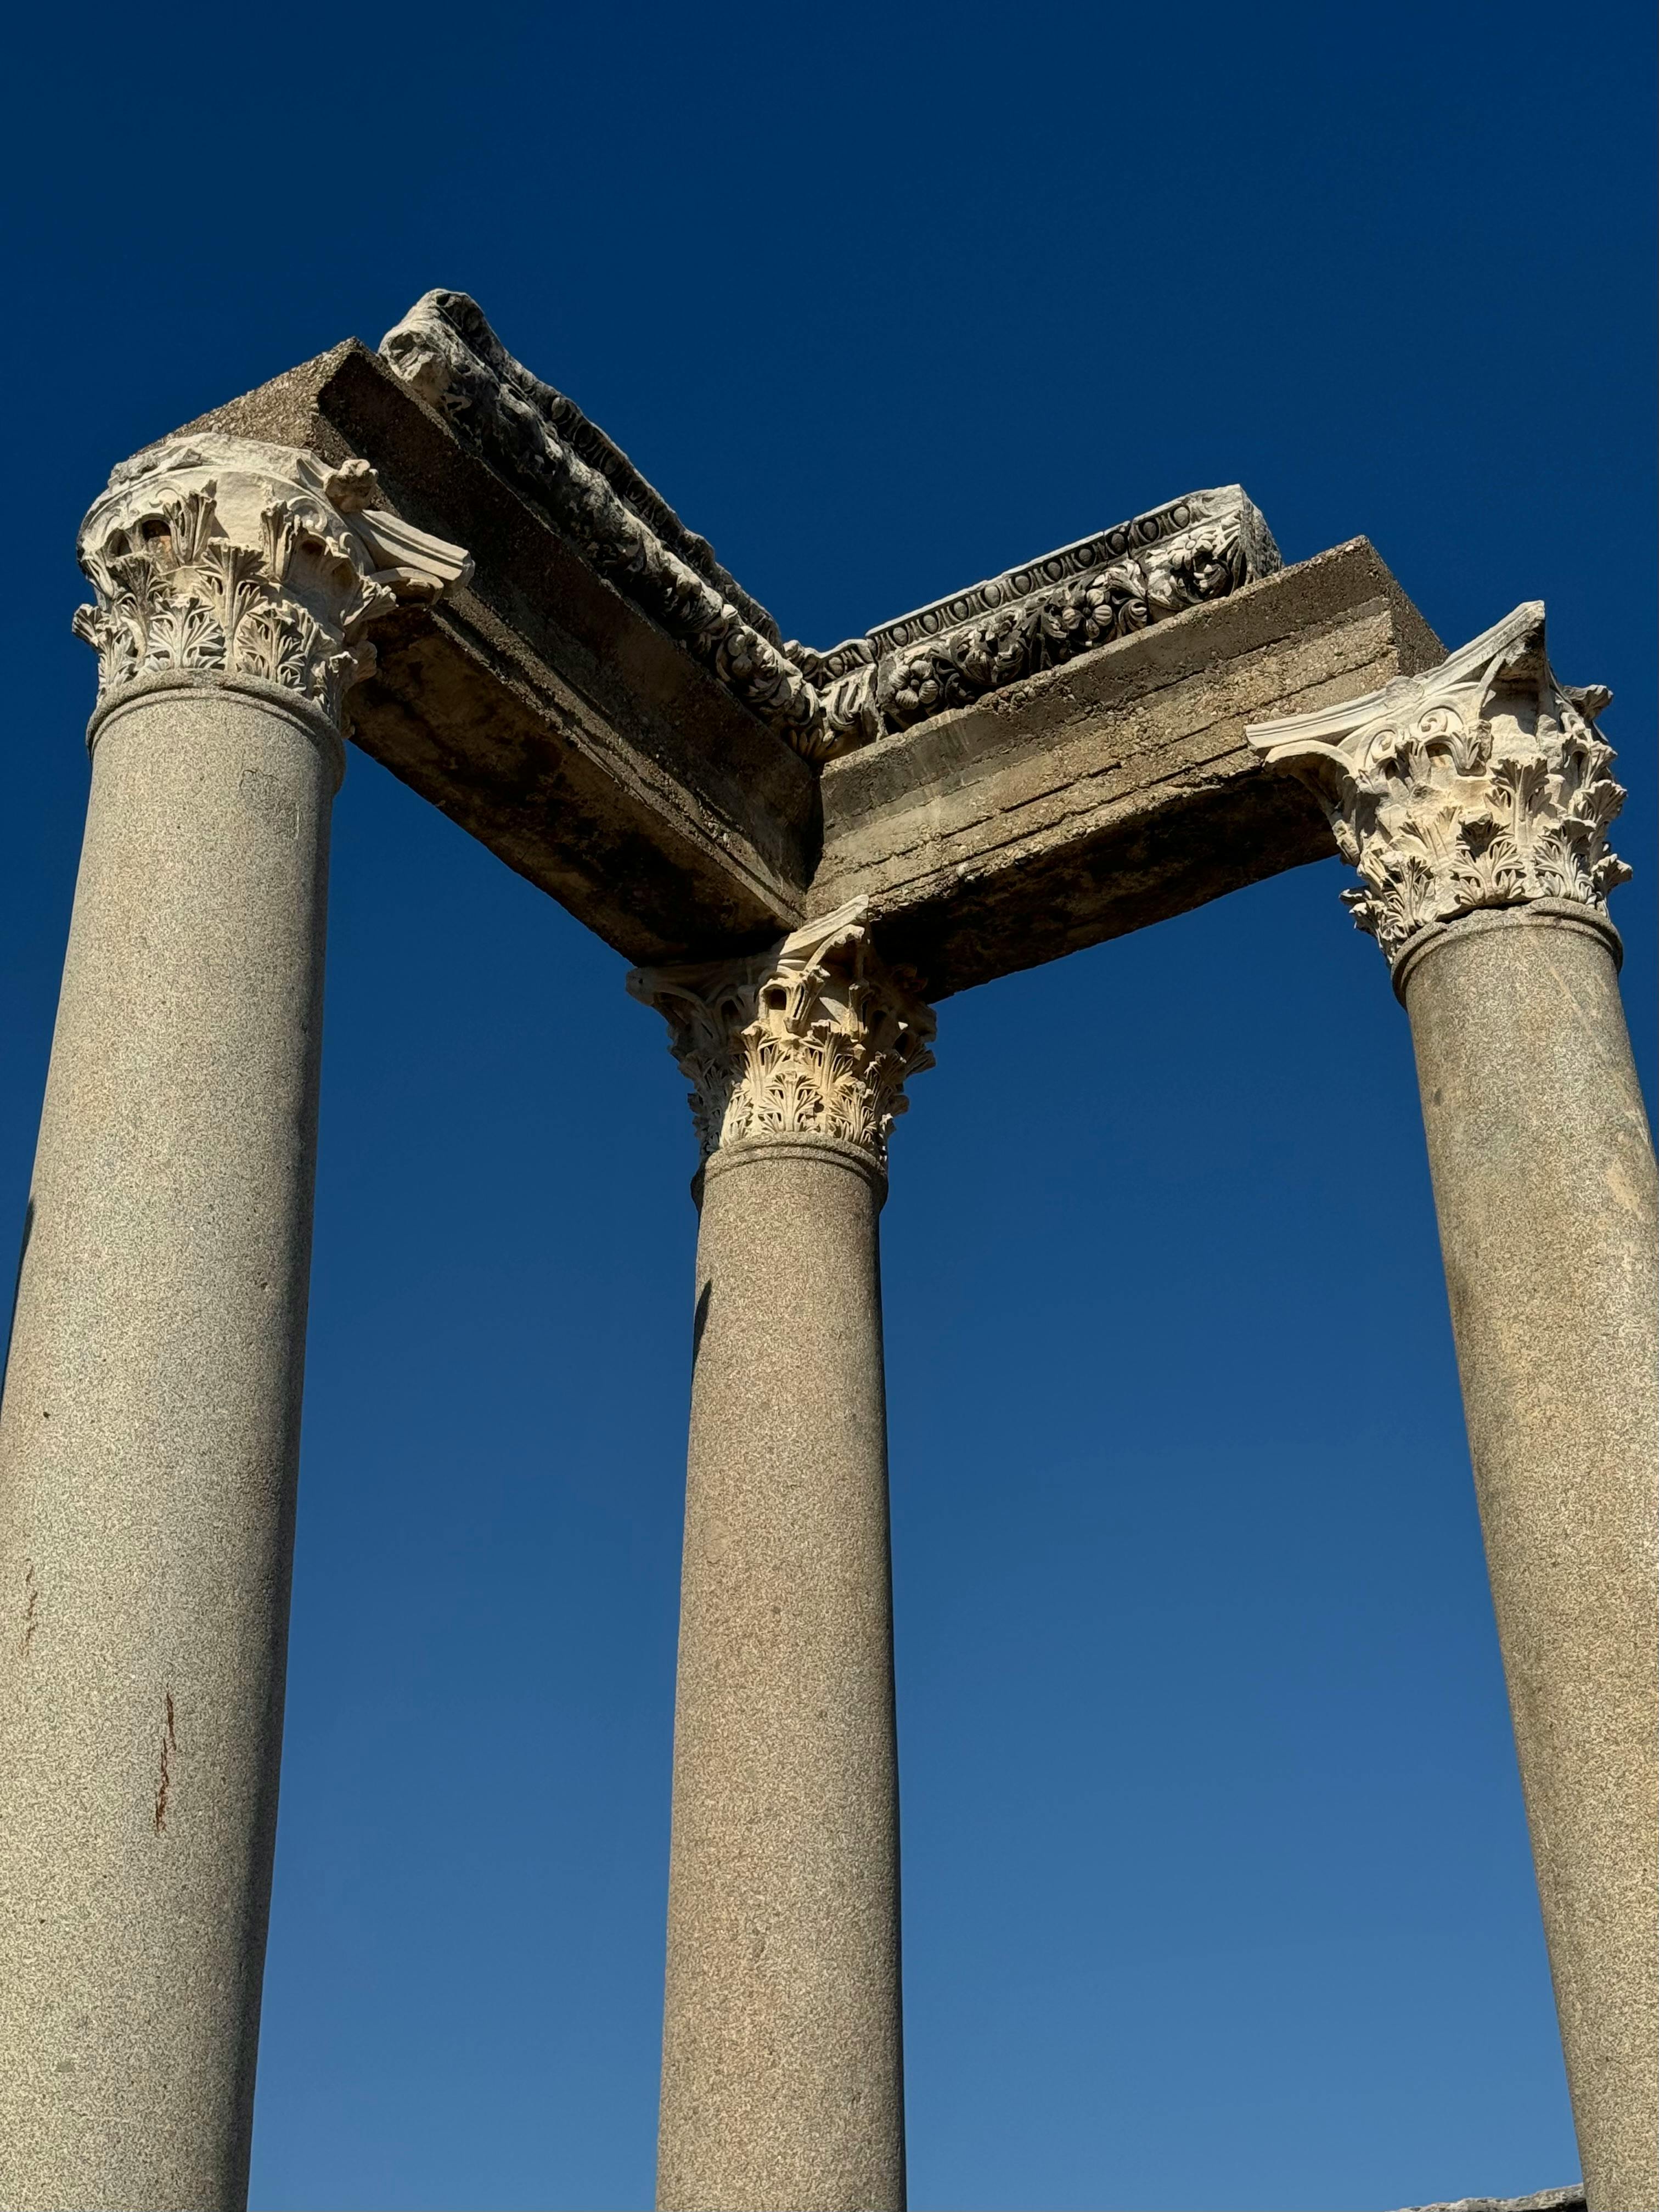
<point>542,711</point>
<point>1113,791</point>
<point>1048,760</point>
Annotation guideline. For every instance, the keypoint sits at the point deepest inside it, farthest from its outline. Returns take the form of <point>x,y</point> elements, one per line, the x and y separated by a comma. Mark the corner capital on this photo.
<point>214,557</point>
<point>815,1037</point>
<point>1482,783</point>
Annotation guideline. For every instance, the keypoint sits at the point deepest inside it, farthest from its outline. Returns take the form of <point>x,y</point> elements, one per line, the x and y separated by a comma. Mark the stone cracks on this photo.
<point>1186,554</point>
<point>214,556</point>
<point>1481,784</point>
<point>815,1037</point>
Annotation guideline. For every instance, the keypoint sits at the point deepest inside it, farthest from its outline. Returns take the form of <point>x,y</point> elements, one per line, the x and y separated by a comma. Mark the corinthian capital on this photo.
<point>218,557</point>
<point>815,1037</point>
<point>1482,783</point>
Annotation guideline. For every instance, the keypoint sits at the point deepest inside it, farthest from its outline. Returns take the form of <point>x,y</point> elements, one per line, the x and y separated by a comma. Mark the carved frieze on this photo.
<point>1185,554</point>
<point>815,1037</point>
<point>215,556</point>
<point>1482,783</point>
<point>445,350</point>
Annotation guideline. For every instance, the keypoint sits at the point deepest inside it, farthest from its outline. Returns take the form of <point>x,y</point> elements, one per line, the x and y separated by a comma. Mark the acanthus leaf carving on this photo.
<point>214,556</point>
<point>815,1037</point>
<point>1480,783</point>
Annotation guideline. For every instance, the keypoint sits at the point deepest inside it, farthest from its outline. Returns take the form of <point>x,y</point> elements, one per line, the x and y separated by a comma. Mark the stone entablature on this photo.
<point>815,1037</point>
<point>445,351</point>
<point>1482,783</point>
<point>214,556</point>
<point>1187,553</point>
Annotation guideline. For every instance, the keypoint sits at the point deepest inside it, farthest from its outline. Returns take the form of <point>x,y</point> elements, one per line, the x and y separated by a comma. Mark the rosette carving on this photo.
<point>815,1037</point>
<point>215,556</point>
<point>1482,783</point>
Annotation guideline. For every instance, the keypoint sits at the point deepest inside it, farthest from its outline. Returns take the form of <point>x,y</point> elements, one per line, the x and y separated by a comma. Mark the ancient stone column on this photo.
<point>782,2082</point>
<point>1474,802</point>
<point>150,1420</point>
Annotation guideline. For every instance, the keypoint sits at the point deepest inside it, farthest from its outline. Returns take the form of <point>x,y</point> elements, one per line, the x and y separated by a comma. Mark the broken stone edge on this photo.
<point>1546,2200</point>
<point>1187,553</point>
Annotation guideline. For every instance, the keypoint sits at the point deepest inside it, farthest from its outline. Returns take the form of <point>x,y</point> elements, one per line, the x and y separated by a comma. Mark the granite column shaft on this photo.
<point>1474,801</point>
<point>782,2067</point>
<point>150,1450</point>
<point>1549,1205</point>
<point>149,1432</point>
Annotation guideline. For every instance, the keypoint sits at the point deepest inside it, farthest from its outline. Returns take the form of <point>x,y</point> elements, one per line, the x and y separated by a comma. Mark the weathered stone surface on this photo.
<point>1481,783</point>
<point>1546,2200</point>
<point>1474,801</point>
<point>148,1444</point>
<point>1111,793</point>
<point>214,556</point>
<point>541,709</point>
<point>782,2051</point>
<point>149,1432</point>
<point>816,1036</point>
<point>782,2085</point>
<point>566,708</point>
<point>1191,551</point>
<point>1548,1204</point>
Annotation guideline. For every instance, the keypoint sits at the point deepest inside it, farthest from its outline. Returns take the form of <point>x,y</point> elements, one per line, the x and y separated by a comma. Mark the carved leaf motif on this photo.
<point>185,635</point>
<point>280,530</point>
<point>446,350</point>
<point>1481,784</point>
<point>281,644</point>
<point>180,589</point>
<point>190,518</point>
<point>814,1038</point>
<point>233,574</point>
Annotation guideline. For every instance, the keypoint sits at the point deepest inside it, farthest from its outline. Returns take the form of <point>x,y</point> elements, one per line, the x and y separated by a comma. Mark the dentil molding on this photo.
<point>214,556</point>
<point>817,1036</point>
<point>1481,783</point>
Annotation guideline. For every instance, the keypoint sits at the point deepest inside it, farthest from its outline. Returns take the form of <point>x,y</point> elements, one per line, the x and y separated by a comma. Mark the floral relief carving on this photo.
<point>1053,625</point>
<point>817,1036</point>
<point>1482,783</point>
<point>217,557</point>
<point>1186,554</point>
<point>445,350</point>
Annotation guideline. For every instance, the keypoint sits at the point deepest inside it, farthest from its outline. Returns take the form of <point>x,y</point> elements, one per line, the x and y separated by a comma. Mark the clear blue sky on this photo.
<point>1217,1887</point>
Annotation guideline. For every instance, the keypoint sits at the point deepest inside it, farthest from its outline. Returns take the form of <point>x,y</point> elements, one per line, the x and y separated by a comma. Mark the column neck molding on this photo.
<point>813,1039</point>
<point>1480,784</point>
<point>323,732</point>
<point>216,559</point>
<point>1538,913</point>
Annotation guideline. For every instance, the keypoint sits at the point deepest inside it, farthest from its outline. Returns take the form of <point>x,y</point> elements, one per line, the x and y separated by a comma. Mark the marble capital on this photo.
<point>222,558</point>
<point>1482,783</point>
<point>816,1037</point>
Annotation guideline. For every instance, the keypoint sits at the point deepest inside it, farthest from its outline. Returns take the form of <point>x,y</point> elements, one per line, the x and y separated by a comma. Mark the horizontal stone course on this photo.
<point>1114,791</point>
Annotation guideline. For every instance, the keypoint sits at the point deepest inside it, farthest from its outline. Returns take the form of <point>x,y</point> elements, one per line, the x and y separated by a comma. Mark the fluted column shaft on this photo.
<point>148,1437</point>
<point>1474,801</point>
<point>783,2065</point>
